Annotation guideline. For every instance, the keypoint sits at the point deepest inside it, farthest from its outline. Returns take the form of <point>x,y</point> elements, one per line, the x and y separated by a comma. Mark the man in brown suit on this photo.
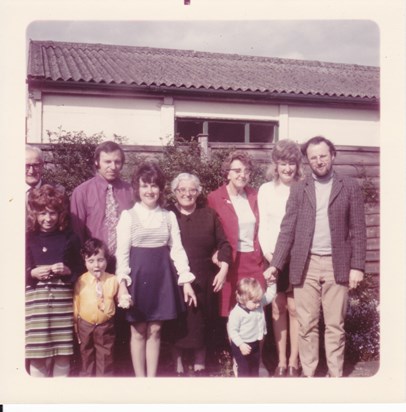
<point>323,234</point>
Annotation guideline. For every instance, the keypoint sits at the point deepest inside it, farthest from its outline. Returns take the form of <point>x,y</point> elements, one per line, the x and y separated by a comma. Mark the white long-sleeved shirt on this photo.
<point>246,326</point>
<point>169,235</point>
<point>272,200</point>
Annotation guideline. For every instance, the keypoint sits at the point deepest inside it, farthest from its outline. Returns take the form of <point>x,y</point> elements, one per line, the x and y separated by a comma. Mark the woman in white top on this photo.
<point>149,247</point>
<point>286,168</point>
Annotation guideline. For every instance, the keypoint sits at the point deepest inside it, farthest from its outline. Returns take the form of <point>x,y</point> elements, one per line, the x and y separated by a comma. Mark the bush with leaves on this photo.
<point>362,322</point>
<point>70,161</point>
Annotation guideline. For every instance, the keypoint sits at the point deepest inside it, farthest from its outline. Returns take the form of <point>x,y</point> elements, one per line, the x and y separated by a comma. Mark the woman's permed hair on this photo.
<point>240,155</point>
<point>186,176</point>
<point>43,198</point>
<point>248,289</point>
<point>92,246</point>
<point>149,172</point>
<point>289,151</point>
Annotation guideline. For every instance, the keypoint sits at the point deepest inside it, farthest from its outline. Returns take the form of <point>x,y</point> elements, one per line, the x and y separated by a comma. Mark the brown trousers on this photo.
<point>96,348</point>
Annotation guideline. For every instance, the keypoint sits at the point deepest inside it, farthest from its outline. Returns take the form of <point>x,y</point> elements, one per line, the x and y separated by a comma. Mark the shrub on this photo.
<point>72,152</point>
<point>362,322</point>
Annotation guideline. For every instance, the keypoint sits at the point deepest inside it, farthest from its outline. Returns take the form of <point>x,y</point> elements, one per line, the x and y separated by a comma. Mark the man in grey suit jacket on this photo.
<point>323,235</point>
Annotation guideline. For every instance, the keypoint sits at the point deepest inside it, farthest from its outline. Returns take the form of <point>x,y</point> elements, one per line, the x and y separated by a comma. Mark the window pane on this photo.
<point>226,132</point>
<point>186,129</point>
<point>261,133</point>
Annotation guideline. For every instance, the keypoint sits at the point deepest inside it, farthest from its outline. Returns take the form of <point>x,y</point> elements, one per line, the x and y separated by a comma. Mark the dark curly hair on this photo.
<point>47,197</point>
<point>149,172</point>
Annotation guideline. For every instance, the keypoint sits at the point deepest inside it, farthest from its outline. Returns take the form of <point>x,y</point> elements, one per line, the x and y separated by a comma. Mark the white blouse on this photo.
<point>272,200</point>
<point>150,219</point>
<point>246,222</point>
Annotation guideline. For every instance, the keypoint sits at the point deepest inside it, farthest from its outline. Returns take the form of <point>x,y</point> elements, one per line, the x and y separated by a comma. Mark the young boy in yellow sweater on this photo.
<point>94,303</point>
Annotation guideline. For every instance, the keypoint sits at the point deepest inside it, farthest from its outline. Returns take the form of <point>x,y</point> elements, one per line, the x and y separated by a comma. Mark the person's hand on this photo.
<point>123,297</point>
<point>60,269</point>
<point>219,281</point>
<point>356,277</point>
<point>189,293</point>
<point>271,274</point>
<point>42,272</point>
<point>245,349</point>
<point>215,259</point>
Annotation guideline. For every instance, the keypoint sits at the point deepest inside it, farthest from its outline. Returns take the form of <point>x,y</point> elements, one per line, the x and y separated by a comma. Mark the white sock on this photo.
<point>61,366</point>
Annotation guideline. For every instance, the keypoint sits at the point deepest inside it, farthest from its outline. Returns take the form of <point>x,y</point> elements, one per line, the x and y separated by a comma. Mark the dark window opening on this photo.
<point>227,131</point>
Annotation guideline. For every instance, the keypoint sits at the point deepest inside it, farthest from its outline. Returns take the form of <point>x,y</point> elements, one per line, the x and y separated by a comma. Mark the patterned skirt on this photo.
<point>48,319</point>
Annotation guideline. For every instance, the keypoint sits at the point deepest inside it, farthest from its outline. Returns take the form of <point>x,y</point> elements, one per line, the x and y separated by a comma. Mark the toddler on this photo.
<point>246,325</point>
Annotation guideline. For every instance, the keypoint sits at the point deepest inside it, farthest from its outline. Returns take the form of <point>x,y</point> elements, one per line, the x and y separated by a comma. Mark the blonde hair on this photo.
<point>248,289</point>
<point>289,151</point>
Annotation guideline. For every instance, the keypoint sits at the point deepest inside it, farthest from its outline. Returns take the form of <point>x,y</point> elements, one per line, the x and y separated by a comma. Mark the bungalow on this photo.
<point>150,96</point>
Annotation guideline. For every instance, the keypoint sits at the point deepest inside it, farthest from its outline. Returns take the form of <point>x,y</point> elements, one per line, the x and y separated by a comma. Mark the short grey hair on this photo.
<point>186,176</point>
<point>36,150</point>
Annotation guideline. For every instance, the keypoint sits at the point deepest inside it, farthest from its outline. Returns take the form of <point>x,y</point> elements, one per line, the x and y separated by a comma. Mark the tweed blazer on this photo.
<point>219,200</point>
<point>346,215</point>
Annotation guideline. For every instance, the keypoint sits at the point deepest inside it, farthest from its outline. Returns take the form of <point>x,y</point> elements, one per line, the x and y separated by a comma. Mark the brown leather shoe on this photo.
<point>280,372</point>
<point>292,372</point>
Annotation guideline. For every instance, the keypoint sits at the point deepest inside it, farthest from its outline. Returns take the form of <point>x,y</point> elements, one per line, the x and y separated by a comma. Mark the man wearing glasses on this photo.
<point>34,167</point>
<point>324,233</point>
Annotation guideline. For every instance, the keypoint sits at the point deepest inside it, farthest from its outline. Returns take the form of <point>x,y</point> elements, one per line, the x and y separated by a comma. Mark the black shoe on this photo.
<point>201,373</point>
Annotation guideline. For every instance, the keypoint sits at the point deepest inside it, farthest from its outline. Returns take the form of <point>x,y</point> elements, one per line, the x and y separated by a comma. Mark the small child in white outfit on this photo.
<point>246,325</point>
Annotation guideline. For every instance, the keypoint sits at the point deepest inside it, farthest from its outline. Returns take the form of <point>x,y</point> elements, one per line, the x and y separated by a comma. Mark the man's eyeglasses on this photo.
<point>35,166</point>
<point>240,171</point>
<point>184,191</point>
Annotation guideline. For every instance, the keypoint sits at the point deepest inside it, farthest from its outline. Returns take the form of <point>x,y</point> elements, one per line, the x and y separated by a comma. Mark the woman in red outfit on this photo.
<point>236,204</point>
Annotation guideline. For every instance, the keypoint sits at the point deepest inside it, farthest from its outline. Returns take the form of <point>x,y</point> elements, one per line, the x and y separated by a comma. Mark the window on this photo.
<point>227,131</point>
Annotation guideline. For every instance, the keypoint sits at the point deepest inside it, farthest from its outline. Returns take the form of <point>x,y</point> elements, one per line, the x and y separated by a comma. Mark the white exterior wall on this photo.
<point>136,119</point>
<point>146,121</point>
<point>352,127</point>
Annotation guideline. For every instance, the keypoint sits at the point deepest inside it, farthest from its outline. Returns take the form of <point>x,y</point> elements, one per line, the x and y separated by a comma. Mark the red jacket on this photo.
<point>219,200</point>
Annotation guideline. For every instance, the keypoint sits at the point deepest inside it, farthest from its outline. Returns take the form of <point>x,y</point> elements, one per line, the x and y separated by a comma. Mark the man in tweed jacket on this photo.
<point>323,235</point>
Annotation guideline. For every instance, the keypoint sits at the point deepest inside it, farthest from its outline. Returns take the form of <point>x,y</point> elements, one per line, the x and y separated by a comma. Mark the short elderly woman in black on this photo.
<point>202,235</point>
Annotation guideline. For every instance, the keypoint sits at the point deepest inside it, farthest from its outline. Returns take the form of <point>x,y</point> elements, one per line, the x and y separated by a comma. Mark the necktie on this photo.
<point>111,219</point>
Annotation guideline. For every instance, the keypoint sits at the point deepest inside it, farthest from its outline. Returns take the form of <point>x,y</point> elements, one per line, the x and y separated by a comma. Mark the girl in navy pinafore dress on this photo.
<point>151,263</point>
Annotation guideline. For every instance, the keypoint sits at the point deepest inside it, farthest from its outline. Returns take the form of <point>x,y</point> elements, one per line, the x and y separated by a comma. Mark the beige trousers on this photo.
<point>320,291</point>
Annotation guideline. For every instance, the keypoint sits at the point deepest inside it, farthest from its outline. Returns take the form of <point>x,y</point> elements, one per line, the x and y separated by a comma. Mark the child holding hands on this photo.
<point>94,309</point>
<point>246,325</point>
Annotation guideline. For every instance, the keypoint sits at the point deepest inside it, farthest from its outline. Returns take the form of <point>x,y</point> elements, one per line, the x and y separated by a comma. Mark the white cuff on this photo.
<point>186,277</point>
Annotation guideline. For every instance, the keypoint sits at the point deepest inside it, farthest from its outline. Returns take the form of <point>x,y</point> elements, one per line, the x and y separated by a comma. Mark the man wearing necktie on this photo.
<point>97,203</point>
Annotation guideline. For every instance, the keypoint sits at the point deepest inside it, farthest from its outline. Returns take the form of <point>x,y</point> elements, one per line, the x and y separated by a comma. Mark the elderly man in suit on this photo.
<point>324,233</point>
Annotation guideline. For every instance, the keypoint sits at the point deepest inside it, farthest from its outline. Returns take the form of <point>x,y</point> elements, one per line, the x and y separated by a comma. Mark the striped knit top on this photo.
<point>143,227</point>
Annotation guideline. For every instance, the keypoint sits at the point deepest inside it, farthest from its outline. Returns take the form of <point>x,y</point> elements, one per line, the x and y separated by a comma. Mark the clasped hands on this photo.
<point>46,272</point>
<point>271,275</point>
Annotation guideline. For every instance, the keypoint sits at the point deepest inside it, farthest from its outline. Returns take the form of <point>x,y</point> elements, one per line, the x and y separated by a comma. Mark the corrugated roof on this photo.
<point>144,66</point>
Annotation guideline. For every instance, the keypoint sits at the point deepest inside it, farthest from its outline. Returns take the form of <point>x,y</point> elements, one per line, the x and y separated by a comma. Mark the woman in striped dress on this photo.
<point>149,253</point>
<point>52,264</point>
